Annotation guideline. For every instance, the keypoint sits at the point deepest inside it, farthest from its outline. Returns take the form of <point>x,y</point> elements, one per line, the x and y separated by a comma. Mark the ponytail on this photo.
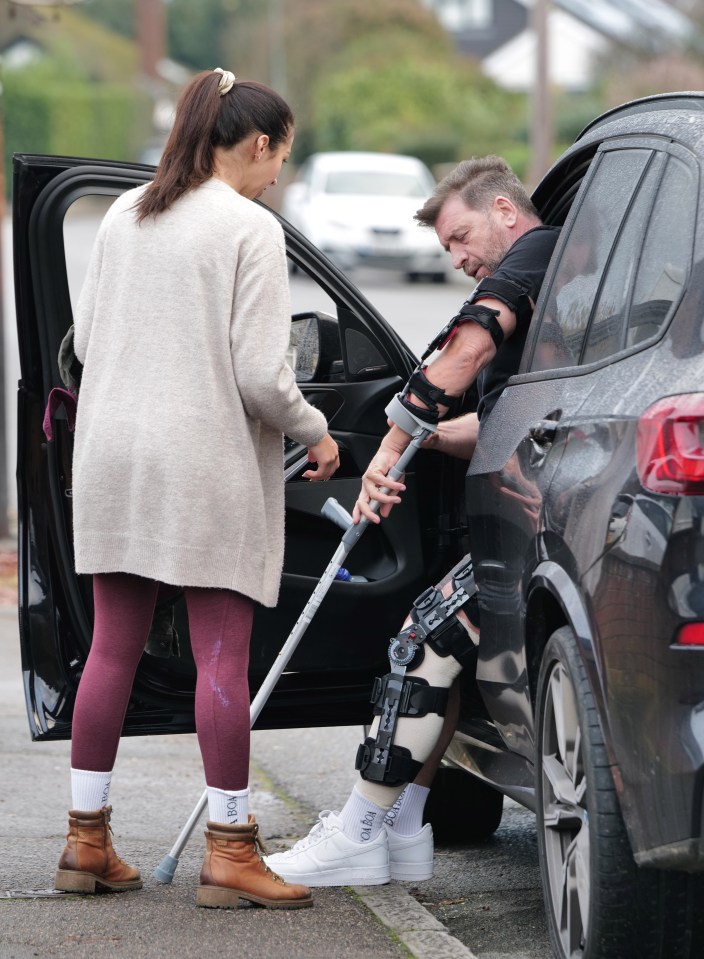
<point>206,118</point>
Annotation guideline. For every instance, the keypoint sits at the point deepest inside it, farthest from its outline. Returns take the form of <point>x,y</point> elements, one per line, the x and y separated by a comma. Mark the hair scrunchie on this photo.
<point>227,80</point>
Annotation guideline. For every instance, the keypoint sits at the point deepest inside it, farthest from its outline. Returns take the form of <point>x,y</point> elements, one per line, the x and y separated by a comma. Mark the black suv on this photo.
<point>583,508</point>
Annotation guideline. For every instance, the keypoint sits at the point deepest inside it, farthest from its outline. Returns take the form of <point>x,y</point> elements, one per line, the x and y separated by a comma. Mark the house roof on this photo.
<point>652,24</point>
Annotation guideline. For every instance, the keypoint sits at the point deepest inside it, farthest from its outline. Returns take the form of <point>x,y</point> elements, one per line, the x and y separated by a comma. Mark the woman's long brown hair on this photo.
<point>204,120</point>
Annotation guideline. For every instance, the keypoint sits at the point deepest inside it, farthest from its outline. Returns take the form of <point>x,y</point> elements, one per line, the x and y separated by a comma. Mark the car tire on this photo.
<point>599,904</point>
<point>462,808</point>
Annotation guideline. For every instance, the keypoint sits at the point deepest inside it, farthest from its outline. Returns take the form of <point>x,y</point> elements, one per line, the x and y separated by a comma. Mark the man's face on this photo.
<point>477,240</point>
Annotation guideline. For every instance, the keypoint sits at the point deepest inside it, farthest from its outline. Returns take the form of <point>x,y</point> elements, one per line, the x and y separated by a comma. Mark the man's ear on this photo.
<point>506,210</point>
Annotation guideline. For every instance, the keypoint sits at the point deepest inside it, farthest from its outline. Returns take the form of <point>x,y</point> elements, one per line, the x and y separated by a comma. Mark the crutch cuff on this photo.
<point>407,420</point>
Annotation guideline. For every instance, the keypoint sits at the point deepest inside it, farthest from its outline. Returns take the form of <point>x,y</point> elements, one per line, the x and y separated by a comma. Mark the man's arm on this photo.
<point>456,437</point>
<point>470,349</point>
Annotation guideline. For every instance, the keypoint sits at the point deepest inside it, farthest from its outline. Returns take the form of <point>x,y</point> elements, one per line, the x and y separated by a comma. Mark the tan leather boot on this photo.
<point>89,859</point>
<point>233,869</point>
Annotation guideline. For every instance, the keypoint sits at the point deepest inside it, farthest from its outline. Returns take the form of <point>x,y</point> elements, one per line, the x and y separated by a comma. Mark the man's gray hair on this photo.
<point>477,182</point>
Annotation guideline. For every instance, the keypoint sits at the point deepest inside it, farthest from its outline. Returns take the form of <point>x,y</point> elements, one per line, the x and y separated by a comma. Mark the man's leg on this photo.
<point>339,845</point>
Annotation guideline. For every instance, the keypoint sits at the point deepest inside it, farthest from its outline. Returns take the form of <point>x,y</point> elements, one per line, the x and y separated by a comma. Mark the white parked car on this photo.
<point>358,209</point>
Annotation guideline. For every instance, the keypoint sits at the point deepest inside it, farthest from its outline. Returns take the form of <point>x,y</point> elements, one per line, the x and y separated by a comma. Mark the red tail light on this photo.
<point>692,634</point>
<point>670,445</point>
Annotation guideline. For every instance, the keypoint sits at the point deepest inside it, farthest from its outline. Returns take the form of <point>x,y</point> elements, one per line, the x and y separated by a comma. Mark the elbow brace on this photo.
<point>483,316</point>
<point>508,292</point>
<point>426,416</point>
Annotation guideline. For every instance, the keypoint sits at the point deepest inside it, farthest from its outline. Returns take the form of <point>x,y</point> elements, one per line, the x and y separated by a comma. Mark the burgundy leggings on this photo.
<point>220,624</point>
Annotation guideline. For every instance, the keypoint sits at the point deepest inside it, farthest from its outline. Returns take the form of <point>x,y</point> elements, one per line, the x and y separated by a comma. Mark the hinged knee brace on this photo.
<point>433,620</point>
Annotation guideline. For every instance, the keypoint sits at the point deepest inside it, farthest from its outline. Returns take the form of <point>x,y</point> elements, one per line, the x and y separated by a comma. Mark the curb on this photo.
<point>411,923</point>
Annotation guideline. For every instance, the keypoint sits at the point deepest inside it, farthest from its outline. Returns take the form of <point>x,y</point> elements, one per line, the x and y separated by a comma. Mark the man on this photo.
<point>485,220</point>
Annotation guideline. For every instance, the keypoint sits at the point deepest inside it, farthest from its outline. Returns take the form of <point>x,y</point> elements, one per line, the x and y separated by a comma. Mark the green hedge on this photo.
<point>72,118</point>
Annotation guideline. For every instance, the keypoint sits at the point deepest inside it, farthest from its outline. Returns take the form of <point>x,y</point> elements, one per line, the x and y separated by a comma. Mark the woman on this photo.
<point>182,327</point>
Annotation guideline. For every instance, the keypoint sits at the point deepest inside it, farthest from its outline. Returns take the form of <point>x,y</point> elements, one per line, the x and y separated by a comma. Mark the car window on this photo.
<point>81,224</point>
<point>375,183</point>
<point>624,263</point>
<point>665,253</point>
<point>584,257</point>
<point>609,319</point>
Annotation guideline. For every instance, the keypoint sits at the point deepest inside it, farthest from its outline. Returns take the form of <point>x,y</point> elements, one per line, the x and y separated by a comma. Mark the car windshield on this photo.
<point>375,183</point>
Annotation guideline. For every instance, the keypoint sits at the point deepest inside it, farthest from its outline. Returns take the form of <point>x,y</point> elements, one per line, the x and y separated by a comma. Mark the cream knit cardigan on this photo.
<point>183,327</point>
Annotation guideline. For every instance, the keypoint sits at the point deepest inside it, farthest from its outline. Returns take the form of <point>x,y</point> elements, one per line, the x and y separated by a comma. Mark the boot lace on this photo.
<point>262,851</point>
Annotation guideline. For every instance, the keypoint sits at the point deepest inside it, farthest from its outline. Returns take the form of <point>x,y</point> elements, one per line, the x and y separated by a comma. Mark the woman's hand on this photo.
<point>327,456</point>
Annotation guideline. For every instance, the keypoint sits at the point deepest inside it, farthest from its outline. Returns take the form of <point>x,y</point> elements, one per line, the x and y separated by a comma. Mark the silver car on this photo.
<point>358,209</point>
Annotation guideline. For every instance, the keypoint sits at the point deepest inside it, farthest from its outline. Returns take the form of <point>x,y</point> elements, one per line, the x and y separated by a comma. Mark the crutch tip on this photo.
<point>164,872</point>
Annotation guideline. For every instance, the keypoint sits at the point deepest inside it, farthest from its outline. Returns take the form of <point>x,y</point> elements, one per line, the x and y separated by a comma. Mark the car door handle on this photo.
<point>543,434</point>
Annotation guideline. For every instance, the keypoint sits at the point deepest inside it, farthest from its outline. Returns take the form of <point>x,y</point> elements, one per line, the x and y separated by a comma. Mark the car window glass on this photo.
<point>81,223</point>
<point>665,253</point>
<point>374,183</point>
<point>80,228</point>
<point>609,320</point>
<point>586,253</point>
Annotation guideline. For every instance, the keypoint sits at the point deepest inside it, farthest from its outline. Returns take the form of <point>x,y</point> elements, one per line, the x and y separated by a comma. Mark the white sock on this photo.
<point>406,815</point>
<point>362,820</point>
<point>228,806</point>
<point>89,790</point>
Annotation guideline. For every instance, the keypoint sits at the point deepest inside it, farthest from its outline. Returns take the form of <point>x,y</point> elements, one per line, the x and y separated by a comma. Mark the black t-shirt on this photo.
<point>525,263</point>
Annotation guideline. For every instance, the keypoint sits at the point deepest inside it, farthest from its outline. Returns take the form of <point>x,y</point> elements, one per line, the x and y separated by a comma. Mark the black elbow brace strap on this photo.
<point>484,317</point>
<point>508,292</point>
<point>420,386</point>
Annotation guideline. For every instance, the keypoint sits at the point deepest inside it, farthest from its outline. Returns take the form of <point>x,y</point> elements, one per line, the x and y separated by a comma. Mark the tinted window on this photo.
<point>666,252</point>
<point>625,261</point>
<point>584,258</point>
<point>607,328</point>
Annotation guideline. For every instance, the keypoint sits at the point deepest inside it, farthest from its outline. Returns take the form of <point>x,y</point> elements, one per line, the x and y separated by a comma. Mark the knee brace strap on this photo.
<point>391,765</point>
<point>435,621</point>
<point>417,697</point>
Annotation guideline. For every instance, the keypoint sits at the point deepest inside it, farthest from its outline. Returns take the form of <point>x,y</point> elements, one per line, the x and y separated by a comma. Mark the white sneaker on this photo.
<point>411,857</point>
<point>326,857</point>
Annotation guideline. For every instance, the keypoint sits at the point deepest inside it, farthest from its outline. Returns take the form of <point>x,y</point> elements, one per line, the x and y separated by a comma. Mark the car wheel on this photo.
<point>599,904</point>
<point>462,808</point>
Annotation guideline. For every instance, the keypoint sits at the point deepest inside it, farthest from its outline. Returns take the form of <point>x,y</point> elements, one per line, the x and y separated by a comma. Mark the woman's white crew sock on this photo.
<point>89,790</point>
<point>230,806</point>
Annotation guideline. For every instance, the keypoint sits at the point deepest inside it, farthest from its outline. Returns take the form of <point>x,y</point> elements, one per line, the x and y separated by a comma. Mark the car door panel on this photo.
<point>329,678</point>
<point>520,448</point>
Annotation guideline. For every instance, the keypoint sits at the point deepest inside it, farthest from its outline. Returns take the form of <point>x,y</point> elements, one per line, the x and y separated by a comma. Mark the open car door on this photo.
<point>349,363</point>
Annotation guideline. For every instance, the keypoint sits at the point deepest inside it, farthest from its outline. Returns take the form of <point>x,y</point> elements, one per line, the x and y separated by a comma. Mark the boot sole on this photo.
<point>221,897</point>
<point>71,880</point>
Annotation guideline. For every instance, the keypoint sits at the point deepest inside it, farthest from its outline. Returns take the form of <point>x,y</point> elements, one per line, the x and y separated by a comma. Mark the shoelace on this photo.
<point>322,826</point>
<point>262,851</point>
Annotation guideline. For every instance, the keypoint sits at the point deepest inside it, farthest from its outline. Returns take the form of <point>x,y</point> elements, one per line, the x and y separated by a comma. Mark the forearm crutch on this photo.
<point>338,514</point>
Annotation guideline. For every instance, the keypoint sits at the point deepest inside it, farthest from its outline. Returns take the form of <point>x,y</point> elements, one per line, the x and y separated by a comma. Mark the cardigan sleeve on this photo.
<point>259,341</point>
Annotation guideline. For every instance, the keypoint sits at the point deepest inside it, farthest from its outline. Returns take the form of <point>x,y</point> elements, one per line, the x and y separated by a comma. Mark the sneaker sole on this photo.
<point>220,897</point>
<point>378,876</point>
<point>411,871</point>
